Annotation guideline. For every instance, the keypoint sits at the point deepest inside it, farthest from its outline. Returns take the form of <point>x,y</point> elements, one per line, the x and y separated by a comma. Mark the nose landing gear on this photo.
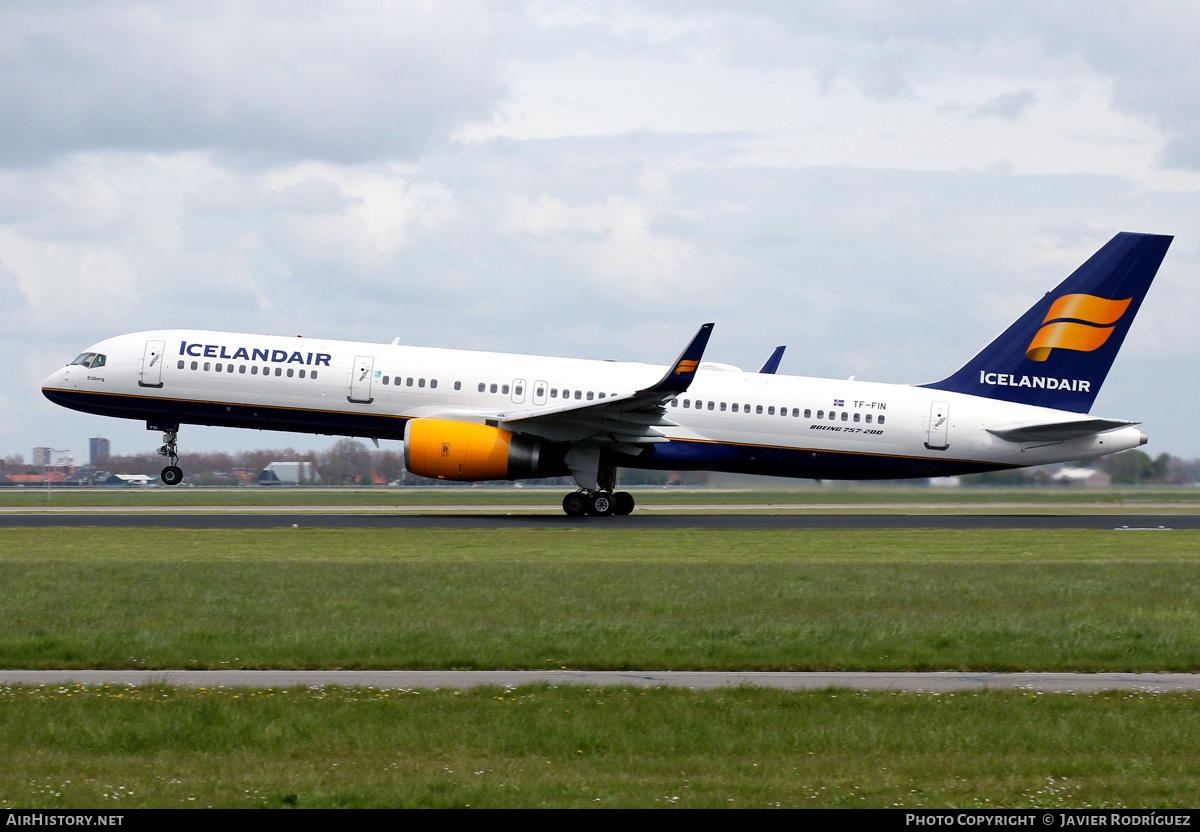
<point>172,474</point>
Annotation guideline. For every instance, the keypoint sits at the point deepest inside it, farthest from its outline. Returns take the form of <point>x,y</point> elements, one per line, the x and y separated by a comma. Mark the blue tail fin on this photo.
<point>1059,352</point>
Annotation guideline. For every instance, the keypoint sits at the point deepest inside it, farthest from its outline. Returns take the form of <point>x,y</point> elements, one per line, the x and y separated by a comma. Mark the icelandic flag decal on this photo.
<point>839,402</point>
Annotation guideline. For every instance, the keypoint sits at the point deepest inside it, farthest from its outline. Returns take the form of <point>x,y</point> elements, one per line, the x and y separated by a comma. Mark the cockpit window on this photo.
<point>90,359</point>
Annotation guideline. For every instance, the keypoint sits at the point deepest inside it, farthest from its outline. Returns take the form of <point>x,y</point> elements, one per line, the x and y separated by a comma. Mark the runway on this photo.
<point>434,679</point>
<point>187,519</point>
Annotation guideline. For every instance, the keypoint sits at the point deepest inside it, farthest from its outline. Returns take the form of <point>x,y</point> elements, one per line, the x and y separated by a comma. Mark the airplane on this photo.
<point>470,416</point>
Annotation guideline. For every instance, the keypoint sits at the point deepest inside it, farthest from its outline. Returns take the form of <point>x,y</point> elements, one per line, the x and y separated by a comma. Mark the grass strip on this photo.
<point>113,747</point>
<point>600,599</point>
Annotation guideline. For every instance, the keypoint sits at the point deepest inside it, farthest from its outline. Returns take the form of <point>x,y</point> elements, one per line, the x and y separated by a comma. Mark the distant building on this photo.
<point>98,451</point>
<point>289,473</point>
<point>49,458</point>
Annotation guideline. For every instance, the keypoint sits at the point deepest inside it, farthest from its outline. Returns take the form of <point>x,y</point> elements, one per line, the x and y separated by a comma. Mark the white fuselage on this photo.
<point>745,422</point>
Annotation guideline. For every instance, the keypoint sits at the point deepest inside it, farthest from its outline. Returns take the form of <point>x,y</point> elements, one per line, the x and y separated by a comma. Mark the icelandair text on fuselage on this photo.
<point>1075,385</point>
<point>274,356</point>
<point>1048,819</point>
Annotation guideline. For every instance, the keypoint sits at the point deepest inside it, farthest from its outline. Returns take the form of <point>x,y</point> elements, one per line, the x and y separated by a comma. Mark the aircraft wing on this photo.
<point>1058,431</point>
<point>626,422</point>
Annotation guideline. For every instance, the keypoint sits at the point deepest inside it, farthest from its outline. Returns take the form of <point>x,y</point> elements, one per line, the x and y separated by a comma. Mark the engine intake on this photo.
<point>446,450</point>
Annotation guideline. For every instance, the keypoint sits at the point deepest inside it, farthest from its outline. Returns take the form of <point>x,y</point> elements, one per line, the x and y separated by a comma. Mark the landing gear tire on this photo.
<point>600,504</point>
<point>623,503</point>
<point>172,474</point>
<point>575,504</point>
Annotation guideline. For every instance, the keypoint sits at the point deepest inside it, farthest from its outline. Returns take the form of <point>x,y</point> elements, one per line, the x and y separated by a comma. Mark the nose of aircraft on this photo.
<point>55,378</point>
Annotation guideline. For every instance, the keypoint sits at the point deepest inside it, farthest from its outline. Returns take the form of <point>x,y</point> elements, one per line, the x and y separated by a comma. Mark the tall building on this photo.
<point>98,451</point>
<point>41,457</point>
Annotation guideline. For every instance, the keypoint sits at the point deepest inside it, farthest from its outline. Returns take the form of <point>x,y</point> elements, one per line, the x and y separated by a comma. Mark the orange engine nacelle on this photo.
<point>445,450</point>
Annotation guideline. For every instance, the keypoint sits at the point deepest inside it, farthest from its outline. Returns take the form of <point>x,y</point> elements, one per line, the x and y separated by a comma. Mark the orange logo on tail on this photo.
<point>1068,335</point>
<point>686,367</point>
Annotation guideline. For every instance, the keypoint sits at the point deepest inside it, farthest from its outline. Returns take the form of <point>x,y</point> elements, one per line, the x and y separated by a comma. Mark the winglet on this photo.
<point>680,376</point>
<point>773,362</point>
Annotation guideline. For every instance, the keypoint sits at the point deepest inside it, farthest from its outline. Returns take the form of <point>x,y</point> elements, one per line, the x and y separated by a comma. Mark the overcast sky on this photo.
<point>881,186</point>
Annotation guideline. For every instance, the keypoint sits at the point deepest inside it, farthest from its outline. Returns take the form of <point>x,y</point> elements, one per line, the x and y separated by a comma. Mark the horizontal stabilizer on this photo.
<point>1059,431</point>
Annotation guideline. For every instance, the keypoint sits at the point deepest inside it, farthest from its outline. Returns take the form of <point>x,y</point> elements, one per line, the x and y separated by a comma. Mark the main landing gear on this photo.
<point>597,503</point>
<point>172,474</point>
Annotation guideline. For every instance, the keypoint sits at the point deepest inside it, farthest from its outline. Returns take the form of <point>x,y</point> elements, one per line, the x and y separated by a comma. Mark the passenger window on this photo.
<point>519,391</point>
<point>180,365</point>
<point>420,382</point>
<point>207,366</point>
<point>832,416</point>
<point>880,422</point>
<point>242,370</point>
<point>820,414</point>
<point>722,407</point>
<point>590,395</point>
<point>504,389</point>
<point>808,414</point>
<point>492,389</point>
<point>289,372</point>
<point>771,410</point>
<point>601,395</point>
<point>868,418</point>
<point>734,407</point>
<point>432,383</point>
<point>554,392</point>
<point>856,417</point>
<point>578,394</point>
<point>710,405</point>
<point>758,409</point>
<point>194,365</point>
<point>687,402</point>
<point>217,368</point>
<point>845,415</point>
<point>314,374</point>
<point>253,368</point>
<point>674,403</point>
<point>386,379</point>
<point>301,374</point>
<point>408,382</point>
<point>481,386</point>
<point>458,385</point>
<point>278,371</point>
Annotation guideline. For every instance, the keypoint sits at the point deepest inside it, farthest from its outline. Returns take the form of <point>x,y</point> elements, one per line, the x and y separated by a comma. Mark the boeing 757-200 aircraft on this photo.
<point>473,416</point>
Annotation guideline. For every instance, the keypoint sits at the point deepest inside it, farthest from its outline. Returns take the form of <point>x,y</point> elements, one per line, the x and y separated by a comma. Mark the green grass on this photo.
<point>601,599</point>
<point>119,748</point>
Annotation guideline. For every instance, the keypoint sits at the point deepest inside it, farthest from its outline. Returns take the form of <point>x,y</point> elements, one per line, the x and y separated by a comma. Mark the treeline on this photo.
<point>347,462</point>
